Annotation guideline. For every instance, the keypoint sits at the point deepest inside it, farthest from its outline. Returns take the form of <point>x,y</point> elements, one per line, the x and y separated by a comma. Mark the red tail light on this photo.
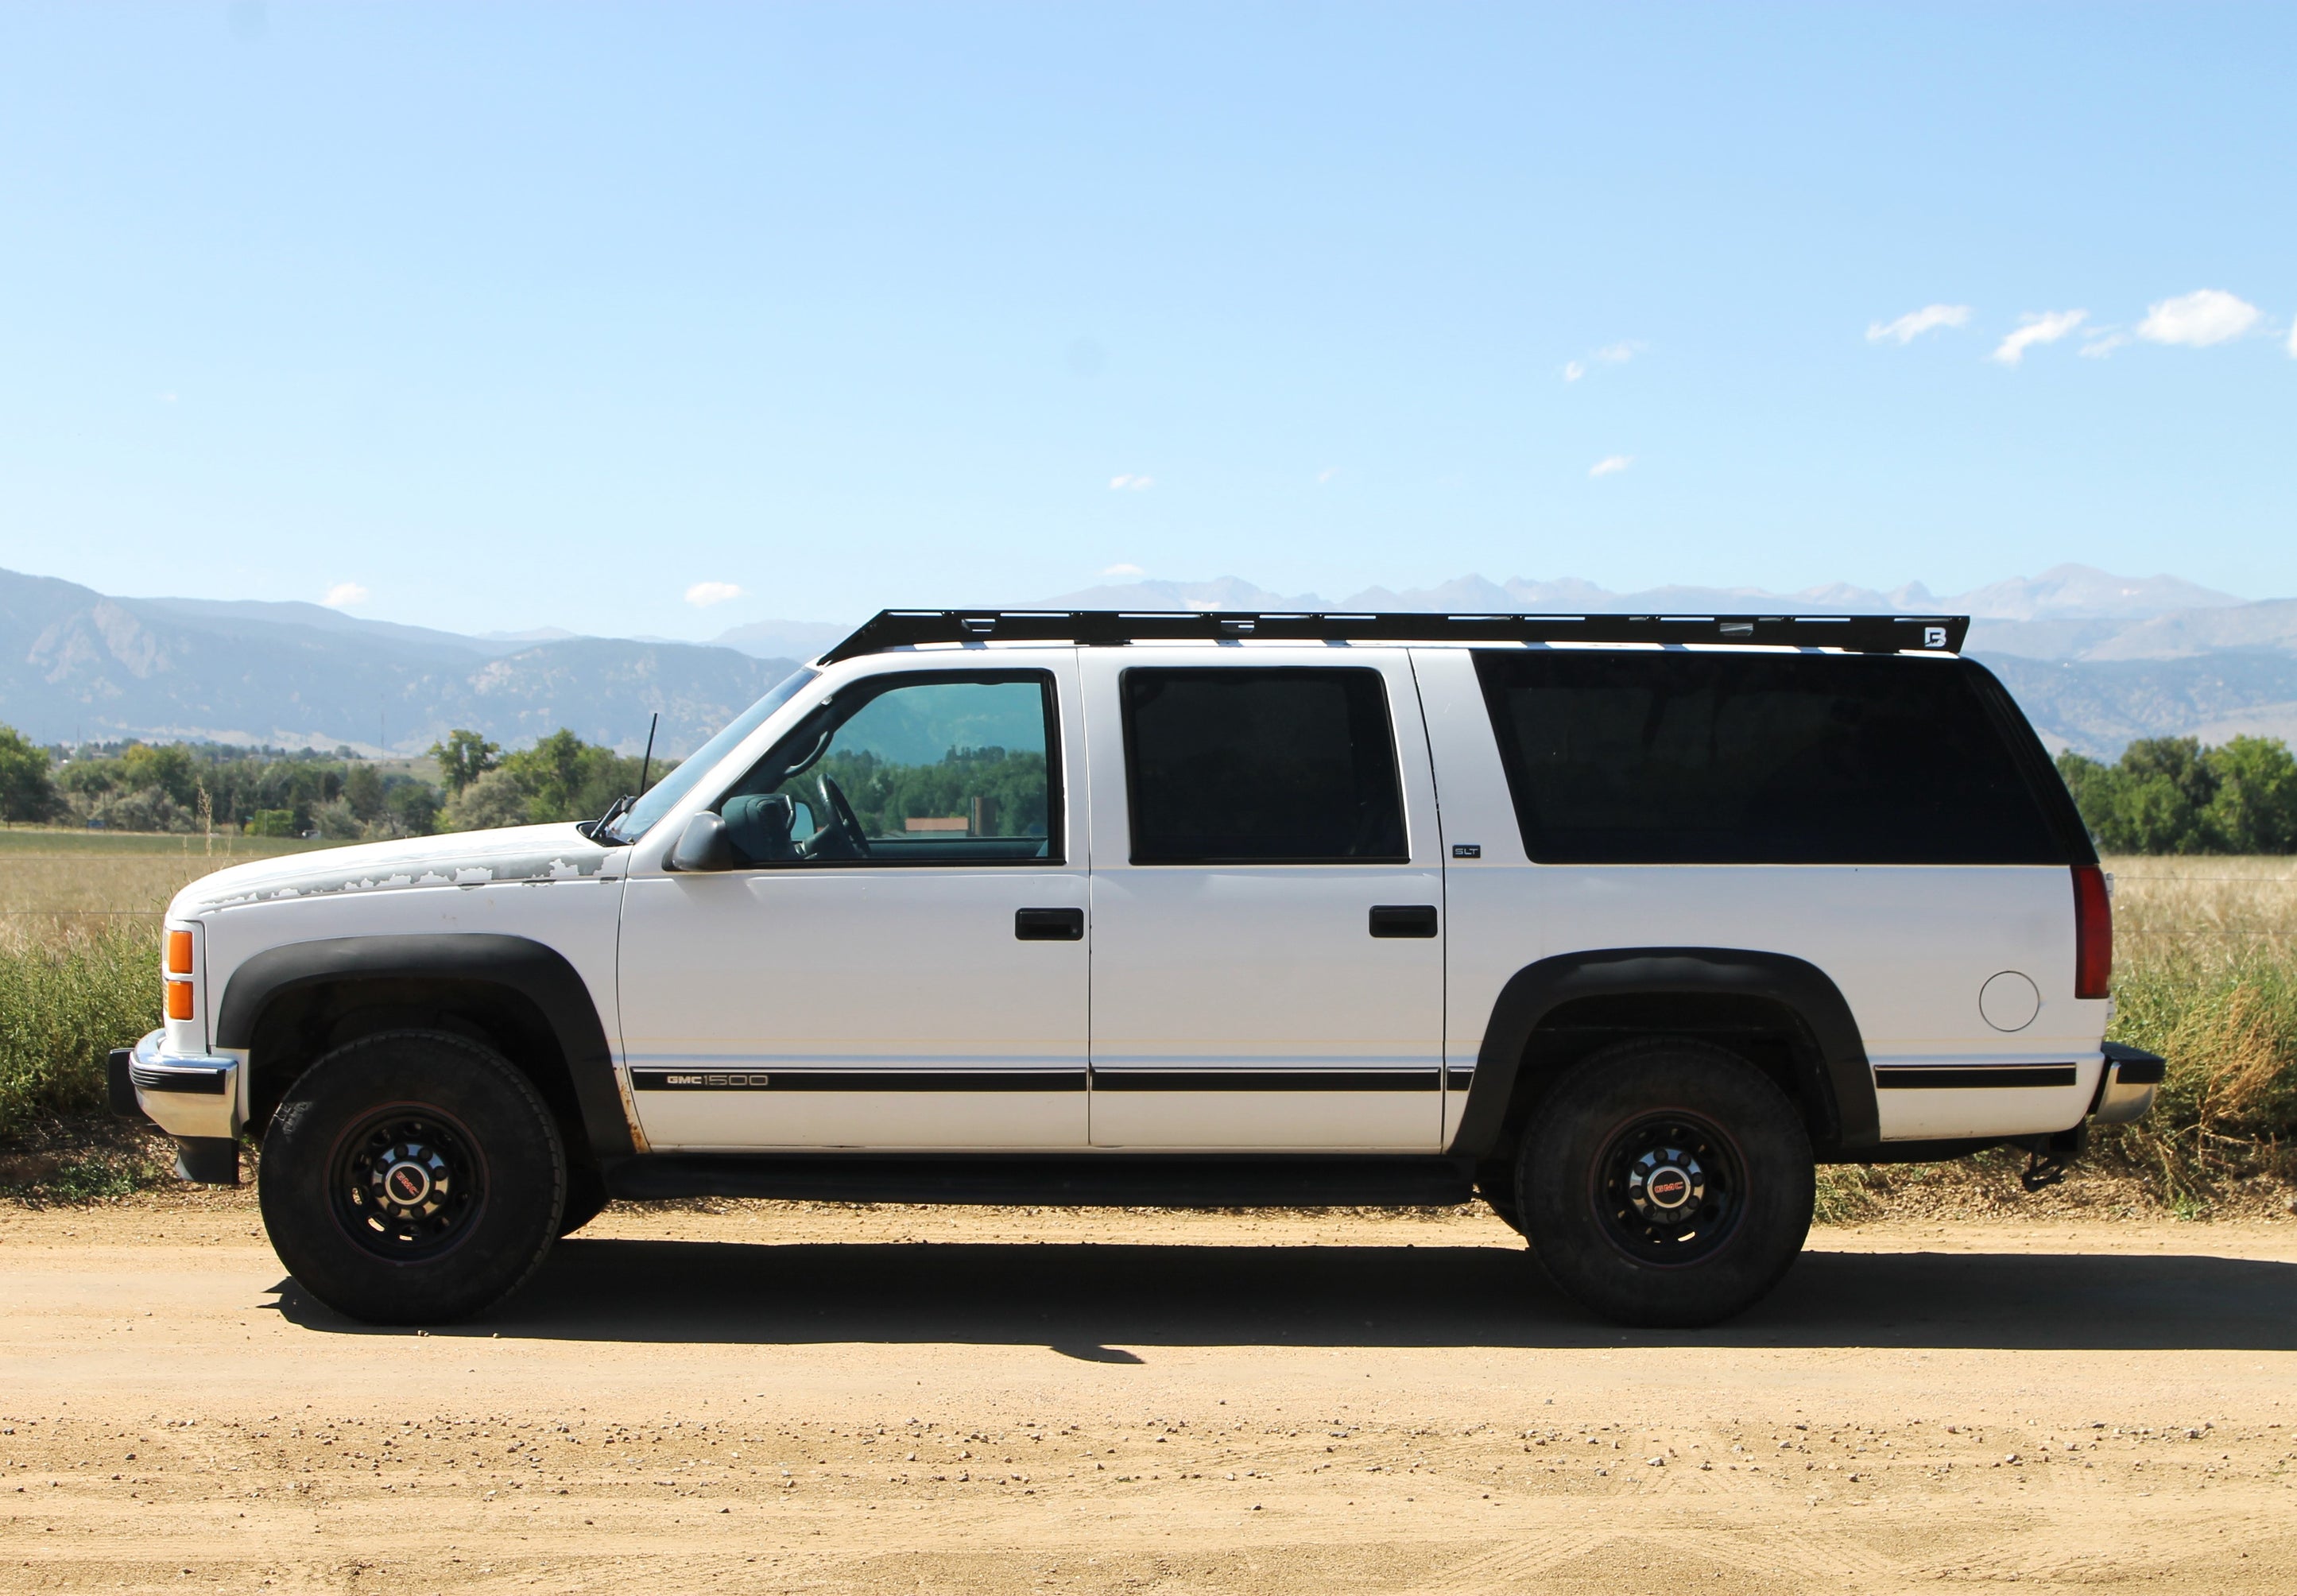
<point>2093,933</point>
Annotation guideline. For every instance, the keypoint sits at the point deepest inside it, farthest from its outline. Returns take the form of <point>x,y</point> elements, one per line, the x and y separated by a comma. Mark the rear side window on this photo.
<point>1243,766</point>
<point>1674,757</point>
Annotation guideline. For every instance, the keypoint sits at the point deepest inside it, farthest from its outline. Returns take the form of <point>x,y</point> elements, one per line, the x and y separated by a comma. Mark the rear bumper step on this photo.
<point>2126,1090</point>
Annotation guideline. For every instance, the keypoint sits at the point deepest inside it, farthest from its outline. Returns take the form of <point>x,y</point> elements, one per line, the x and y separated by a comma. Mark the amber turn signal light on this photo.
<point>179,952</point>
<point>179,999</point>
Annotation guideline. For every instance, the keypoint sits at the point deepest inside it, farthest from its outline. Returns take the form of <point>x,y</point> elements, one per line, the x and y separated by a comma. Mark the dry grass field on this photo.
<point>55,882</point>
<point>2200,902</point>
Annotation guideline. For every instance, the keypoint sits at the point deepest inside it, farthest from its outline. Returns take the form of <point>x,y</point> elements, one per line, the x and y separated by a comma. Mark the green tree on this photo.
<point>496,799</point>
<point>2172,795</point>
<point>363,791</point>
<point>26,792</point>
<point>2254,809</point>
<point>168,766</point>
<point>89,777</point>
<point>464,757</point>
<point>2096,789</point>
<point>562,778</point>
<point>566,778</point>
<point>415,805</point>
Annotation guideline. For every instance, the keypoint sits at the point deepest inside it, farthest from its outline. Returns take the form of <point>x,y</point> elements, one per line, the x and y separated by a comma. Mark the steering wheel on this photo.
<point>844,826</point>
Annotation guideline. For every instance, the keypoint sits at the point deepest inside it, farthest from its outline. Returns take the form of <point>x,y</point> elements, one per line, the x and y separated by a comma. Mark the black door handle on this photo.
<point>1049,924</point>
<point>1403,919</point>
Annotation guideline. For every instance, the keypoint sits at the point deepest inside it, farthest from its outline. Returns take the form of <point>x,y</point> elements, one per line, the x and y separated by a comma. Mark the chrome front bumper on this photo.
<point>2125,1091</point>
<point>195,1100</point>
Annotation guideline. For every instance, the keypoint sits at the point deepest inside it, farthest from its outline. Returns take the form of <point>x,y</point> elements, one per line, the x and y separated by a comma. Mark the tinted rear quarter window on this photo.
<point>1676,757</point>
<point>1253,766</point>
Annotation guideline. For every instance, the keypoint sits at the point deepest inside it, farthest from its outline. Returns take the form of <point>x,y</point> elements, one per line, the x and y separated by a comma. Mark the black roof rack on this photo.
<point>1858,634</point>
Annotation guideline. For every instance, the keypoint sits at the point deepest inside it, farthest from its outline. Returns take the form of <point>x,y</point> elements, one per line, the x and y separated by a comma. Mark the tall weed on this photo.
<point>66,1001</point>
<point>2227,1021</point>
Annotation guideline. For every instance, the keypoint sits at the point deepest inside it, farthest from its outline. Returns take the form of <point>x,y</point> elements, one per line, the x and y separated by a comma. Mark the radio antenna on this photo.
<point>647,764</point>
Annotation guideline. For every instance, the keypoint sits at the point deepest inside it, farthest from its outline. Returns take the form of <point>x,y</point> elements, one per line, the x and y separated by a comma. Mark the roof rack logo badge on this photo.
<point>1933,636</point>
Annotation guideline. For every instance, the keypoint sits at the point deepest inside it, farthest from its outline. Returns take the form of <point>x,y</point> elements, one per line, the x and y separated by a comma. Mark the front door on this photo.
<point>900,958</point>
<point>1267,894</point>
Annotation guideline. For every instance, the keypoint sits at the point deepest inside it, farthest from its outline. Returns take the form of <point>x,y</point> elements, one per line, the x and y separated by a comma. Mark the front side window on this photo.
<point>942,768</point>
<point>1277,766</point>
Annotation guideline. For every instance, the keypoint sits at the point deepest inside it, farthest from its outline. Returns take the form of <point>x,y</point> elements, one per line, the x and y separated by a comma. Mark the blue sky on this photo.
<point>509,316</point>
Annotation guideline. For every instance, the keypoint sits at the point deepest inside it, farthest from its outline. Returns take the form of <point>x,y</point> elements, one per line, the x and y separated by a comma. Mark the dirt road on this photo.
<point>782,1398</point>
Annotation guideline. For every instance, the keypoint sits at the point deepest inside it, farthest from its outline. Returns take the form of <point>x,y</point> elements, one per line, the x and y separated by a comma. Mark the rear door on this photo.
<point>1267,901</point>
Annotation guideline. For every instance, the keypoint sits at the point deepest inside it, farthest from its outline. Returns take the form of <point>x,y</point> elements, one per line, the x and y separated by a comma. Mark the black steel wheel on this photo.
<point>408,1180</point>
<point>1666,1183</point>
<point>412,1177</point>
<point>1668,1186</point>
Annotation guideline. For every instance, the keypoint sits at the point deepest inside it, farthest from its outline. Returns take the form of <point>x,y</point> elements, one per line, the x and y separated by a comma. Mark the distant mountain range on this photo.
<point>2095,659</point>
<point>75,664</point>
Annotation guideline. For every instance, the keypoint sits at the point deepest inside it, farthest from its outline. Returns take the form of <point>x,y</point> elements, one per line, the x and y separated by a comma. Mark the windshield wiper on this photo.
<point>596,830</point>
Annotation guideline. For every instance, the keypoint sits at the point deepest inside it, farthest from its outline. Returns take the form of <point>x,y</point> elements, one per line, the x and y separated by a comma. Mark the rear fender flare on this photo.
<point>1534,992</point>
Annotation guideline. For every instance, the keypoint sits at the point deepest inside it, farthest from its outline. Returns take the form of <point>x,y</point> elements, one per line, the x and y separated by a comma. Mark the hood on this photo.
<point>458,859</point>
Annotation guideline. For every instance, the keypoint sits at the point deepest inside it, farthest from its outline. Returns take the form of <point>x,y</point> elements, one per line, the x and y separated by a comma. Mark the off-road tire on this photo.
<point>442,1121</point>
<point>1594,1173</point>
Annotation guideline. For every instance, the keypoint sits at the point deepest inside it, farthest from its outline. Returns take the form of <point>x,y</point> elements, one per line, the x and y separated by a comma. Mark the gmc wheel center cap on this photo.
<point>1666,1186</point>
<point>405,1183</point>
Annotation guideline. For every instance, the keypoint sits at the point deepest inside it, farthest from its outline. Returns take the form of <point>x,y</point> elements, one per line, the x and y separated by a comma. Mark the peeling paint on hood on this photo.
<point>537,855</point>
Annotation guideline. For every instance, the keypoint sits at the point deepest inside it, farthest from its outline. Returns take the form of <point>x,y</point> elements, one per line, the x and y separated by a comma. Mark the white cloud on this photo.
<point>1126,569</point>
<point>703,595</point>
<point>1129,483</point>
<point>1611,465</point>
<point>2046,326</point>
<point>2104,342</point>
<point>342,596</point>
<point>2293,343</point>
<point>1916,322</point>
<point>2206,316</point>
<point>1610,354</point>
<point>1329,474</point>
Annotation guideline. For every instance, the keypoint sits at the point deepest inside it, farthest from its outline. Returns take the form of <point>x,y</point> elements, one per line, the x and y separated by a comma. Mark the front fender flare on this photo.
<point>1537,989</point>
<point>537,972</point>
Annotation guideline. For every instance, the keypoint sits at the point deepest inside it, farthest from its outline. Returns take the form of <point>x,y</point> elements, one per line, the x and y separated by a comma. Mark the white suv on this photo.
<point>1622,923</point>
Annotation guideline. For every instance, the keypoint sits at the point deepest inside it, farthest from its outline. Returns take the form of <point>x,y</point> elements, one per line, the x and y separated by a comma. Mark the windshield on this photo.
<point>633,822</point>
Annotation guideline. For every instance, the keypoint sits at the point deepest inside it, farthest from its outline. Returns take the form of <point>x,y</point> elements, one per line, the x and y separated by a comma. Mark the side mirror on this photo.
<point>702,845</point>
